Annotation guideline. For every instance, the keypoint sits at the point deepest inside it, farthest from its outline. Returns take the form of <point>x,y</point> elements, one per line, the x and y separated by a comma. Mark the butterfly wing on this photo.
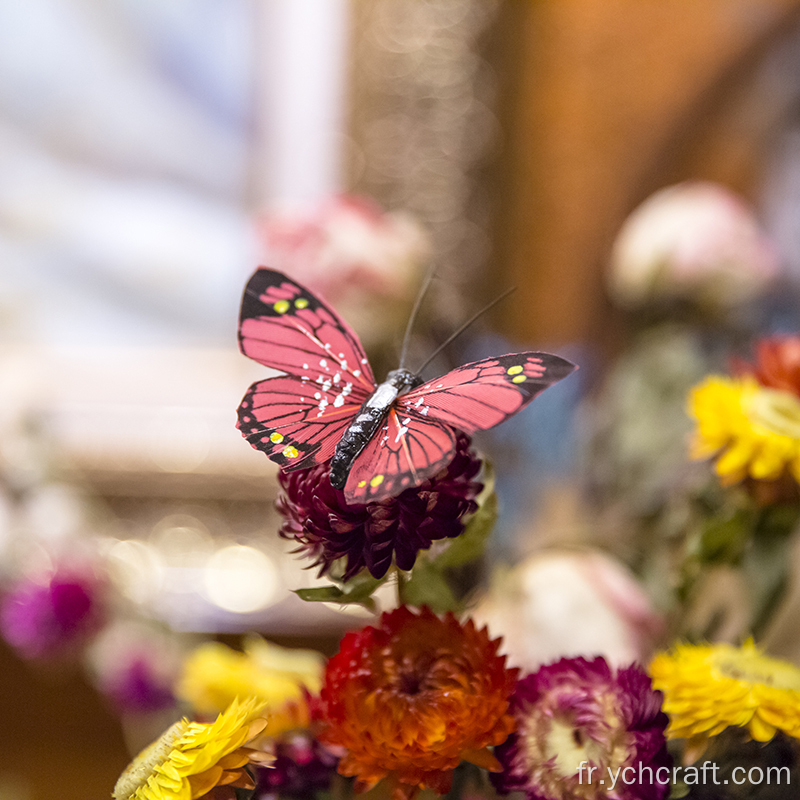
<point>284,326</point>
<point>298,418</point>
<point>296,422</point>
<point>484,393</point>
<point>405,451</point>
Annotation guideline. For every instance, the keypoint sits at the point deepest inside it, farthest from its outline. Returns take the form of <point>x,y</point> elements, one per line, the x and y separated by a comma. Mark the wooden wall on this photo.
<point>604,101</point>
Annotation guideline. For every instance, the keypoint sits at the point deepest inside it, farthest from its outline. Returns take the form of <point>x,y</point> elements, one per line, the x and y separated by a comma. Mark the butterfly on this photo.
<point>380,439</point>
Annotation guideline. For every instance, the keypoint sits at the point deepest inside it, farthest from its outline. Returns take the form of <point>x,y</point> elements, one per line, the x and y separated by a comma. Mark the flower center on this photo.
<point>569,746</point>
<point>752,667</point>
<point>410,683</point>
<point>776,410</point>
<point>141,768</point>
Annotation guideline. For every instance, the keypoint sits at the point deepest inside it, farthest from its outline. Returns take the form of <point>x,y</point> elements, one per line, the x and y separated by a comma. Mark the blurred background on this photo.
<point>153,154</point>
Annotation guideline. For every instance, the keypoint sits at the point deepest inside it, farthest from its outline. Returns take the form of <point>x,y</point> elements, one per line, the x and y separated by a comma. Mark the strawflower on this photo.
<point>48,618</point>
<point>302,766</point>
<point>134,665</point>
<point>710,687</point>
<point>214,674</point>
<point>192,760</point>
<point>365,261</point>
<point>411,699</point>
<point>316,516</point>
<point>579,724</point>
<point>752,430</point>
<point>778,363</point>
<point>695,241</point>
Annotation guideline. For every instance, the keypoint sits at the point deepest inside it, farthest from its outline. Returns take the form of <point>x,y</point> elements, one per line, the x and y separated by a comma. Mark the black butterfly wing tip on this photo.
<point>557,367</point>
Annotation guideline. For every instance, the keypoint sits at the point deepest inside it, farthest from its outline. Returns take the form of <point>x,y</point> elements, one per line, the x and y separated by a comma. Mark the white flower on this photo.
<point>570,603</point>
<point>695,241</point>
<point>366,262</point>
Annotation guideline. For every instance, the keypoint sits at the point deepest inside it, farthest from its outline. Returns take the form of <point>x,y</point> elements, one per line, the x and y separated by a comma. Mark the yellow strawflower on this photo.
<point>710,687</point>
<point>753,430</point>
<point>214,674</point>
<point>191,758</point>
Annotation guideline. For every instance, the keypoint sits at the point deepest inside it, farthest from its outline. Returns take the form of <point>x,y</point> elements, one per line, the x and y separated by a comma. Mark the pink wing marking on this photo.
<point>405,451</point>
<point>285,327</point>
<point>295,422</point>
<point>483,394</point>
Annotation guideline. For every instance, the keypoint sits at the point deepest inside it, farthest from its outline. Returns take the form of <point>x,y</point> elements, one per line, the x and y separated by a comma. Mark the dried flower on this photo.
<point>752,430</point>
<point>412,698</point>
<point>192,759</point>
<point>364,260</point>
<point>580,725</point>
<point>134,665</point>
<point>327,529</point>
<point>214,674</point>
<point>45,619</point>
<point>710,687</point>
<point>302,766</point>
<point>778,363</point>
<point>564,603</point>
<point>694,241</point>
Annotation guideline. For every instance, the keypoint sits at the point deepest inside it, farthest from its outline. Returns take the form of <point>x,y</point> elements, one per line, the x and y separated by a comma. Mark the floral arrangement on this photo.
<point>579,674</point>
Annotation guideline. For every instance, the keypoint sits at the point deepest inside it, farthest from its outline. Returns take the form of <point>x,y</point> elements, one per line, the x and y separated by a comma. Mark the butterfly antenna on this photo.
<point>466,325</point>
<point>414,311</point>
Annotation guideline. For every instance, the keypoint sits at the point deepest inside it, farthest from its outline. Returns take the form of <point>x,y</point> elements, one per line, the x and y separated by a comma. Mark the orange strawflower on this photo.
<point>411,699</point>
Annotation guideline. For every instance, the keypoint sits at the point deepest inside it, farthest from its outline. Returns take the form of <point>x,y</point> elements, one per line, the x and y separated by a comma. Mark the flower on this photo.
<point>696,241</point>
<point>134,665</point>
<point>557,604</point>
<point>778,363</point>
<point>753,430</point>
<point>579,724</point>
<point>214,674</point>
<point>302,766</point>
<point>364,260</point>
<point>412,698</point>
<point>710,687</point>
<point>191,759</point>
<point>42,619</point>
<point>317,517</point>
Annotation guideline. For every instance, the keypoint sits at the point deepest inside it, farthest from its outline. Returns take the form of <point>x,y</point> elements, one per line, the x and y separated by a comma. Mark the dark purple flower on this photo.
<point>327,529</point>
<point>41,620</point>
<point>302,766</point>
<point>585,730</point>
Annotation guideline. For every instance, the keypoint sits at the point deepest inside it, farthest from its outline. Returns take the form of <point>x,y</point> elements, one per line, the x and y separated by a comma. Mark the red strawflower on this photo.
<point>778,363</point>
<point>411,699</point>
<point>327,529</point>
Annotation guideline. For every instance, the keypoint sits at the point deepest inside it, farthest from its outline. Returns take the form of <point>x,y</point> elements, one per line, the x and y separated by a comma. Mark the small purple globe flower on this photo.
<point>586,732</point>
<point>43,620</point>
<point>317,517</point>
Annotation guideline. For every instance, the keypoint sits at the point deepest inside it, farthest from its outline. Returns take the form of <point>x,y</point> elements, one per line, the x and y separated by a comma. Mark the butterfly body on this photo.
<point>367,422</point>
<point>380,439</point>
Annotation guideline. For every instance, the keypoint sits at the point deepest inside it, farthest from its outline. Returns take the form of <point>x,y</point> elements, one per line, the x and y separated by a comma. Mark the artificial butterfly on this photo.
<point>381,439</point>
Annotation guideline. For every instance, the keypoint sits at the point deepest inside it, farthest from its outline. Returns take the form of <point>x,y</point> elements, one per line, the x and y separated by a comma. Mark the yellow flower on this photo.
<point>214,674</point>
<point>191,758</point>
<point>754,430</point>
<point>710,687</point>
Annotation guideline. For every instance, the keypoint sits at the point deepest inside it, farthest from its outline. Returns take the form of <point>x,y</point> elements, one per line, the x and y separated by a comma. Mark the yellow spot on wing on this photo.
<point>362,484</point>
<point>376,481</point>
<point>290,452</point>
<point>519,379</point>
<point>514,370</point>
<point>276,438</point>
<point>301,302</point>
<point>281,307</point>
